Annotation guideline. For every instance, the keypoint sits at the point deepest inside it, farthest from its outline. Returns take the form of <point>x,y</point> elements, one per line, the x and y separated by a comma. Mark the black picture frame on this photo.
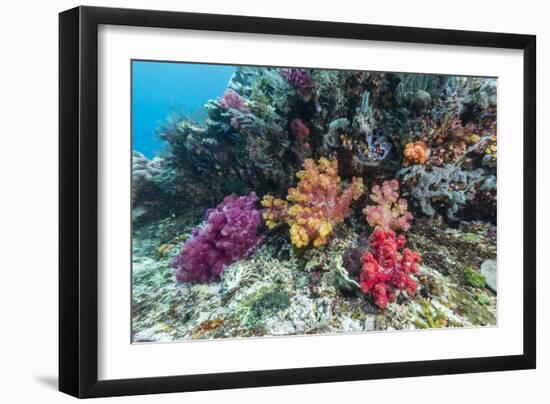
<point>78,201</point>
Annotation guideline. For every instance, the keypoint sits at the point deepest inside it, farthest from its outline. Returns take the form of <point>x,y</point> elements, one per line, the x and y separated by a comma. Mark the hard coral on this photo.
<point>390,211</point>
<point>230,232</point>
<point>232,151</point>
<point>449,187</point>
<point>415,153</point>
<point>318,203</point>
<point>386,270</point>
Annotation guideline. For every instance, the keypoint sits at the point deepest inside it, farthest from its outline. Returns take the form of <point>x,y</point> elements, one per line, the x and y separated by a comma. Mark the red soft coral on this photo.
<point>301,132</point>
<point>386,270</point>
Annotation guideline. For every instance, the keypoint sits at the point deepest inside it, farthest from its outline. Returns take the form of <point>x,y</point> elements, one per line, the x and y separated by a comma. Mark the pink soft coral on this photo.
<point>230,233</point>
<point>390,211</point>
<point>232,100</point>
<point>386,270</point>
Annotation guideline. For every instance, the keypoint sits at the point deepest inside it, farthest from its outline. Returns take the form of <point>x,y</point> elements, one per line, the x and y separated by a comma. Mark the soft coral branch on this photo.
<point>390,212</point>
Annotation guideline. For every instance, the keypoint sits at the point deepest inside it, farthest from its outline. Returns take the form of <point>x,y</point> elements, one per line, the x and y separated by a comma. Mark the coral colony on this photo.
<point>228,234</point>
<point>385,269</point>
<point>318,203</point>
<point>344,201</point>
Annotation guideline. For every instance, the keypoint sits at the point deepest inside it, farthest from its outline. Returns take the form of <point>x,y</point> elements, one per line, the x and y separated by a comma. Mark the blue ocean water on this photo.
<point>162,88</point>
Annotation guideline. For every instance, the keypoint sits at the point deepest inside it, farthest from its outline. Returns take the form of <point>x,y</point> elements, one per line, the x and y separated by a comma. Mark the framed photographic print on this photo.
<point>250,201</point>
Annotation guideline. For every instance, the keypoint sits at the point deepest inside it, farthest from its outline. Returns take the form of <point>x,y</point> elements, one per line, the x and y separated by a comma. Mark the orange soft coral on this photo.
<point>415,153</point>
<point>318,202</point>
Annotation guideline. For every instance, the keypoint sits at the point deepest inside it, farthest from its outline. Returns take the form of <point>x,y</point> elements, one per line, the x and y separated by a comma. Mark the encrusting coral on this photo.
<point>387,267</point>
<point>390,211</point>
<point>230,232</point>
<point>315,205</point>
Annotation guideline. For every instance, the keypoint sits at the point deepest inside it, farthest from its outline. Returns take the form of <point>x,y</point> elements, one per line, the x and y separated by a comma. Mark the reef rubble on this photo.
<point>280,291</point>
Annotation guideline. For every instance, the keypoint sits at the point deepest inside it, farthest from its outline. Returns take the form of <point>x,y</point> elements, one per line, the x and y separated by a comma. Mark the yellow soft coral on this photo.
<point>491,148</point>
<point>276,211</point>
<point>298,236</point>
<point>317,203</point>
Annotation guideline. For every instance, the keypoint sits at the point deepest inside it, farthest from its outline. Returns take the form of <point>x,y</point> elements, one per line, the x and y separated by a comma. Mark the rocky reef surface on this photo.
<point>279,290</point>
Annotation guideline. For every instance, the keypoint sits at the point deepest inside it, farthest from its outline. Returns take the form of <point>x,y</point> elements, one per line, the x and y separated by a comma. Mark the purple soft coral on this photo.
<point>301,81</point>
<point>232,100</point>
<point>229,234</point>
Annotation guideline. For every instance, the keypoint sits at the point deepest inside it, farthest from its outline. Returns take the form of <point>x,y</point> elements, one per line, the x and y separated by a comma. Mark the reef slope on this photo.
<point>279,290</point>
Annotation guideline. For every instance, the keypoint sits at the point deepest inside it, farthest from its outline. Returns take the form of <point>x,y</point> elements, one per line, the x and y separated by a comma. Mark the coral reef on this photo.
<point>270,120</point>
<point>164,311</point>
<point>242,146</point>
<point>315,205</point>
<point>230,233</point>
<point>417,251</point>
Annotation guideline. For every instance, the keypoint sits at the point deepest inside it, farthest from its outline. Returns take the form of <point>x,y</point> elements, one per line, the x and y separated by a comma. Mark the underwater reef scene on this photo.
<point>307,201</point>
